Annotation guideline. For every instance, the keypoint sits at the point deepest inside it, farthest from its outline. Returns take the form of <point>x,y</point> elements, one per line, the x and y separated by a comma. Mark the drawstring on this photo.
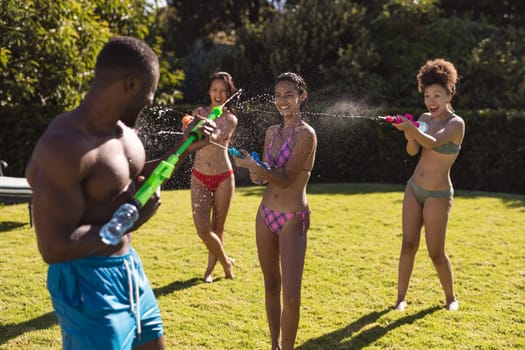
<point>134,305</point>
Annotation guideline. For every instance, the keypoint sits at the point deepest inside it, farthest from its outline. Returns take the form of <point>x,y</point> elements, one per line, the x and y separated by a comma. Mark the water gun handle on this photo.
<point>160,174</point>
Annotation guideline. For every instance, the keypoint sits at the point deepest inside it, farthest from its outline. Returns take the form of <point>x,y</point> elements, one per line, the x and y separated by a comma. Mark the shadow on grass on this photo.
<point>336,339</point>
<point>177,285</point>
<point>11,331</point>
<point>332,188</point>
<point>10,225</point>
<point>353,188</point>
<point>510,200</point>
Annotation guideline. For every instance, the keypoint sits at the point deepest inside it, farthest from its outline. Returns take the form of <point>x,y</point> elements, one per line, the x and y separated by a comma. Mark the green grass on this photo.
<point>349,283</point>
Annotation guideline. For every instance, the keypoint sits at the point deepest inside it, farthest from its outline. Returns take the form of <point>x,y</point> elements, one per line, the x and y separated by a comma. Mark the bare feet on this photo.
<point>212,261</point>
<point>208,276</point>
<point>401,305</point>
<point>228,269</point>
<point>453,305</point>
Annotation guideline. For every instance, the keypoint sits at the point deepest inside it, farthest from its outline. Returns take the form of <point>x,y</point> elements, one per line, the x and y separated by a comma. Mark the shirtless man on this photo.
<point>85,165</point>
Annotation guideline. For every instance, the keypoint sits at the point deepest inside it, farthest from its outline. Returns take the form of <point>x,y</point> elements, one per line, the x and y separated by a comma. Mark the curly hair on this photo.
<point>438,71</point>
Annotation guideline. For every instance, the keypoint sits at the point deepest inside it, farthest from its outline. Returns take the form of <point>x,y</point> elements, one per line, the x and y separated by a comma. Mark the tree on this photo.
<point>502,12</point>
<point>48,51</point>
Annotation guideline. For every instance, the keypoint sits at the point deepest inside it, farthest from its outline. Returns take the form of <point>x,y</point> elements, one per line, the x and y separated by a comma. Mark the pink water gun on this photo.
<point>397,120</point>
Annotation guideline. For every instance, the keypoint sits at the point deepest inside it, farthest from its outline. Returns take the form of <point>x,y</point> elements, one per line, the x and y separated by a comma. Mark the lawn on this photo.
<point>349,284</point>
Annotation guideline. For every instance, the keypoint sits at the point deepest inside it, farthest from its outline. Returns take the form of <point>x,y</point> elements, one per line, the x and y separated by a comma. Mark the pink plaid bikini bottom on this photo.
<point>275,220</point>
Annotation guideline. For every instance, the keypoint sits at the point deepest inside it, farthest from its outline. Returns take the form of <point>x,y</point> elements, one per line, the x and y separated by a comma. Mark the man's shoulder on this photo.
<point>63,139</point>
<point>62,131</point>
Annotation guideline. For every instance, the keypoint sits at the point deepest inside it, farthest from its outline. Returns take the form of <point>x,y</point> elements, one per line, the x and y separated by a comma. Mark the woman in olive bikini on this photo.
<point>429,191</point>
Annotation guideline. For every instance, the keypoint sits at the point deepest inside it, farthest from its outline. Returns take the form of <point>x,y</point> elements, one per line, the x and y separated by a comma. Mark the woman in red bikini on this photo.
<point>283,216</point>
<point>212,181</point>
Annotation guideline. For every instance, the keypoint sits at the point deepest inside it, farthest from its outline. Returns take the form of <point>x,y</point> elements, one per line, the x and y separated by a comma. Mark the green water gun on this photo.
<point>126,215</point>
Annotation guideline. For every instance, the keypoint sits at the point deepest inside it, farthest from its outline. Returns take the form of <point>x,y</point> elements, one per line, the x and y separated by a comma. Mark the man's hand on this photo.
<point>207,129</point>
<point>150,208</point>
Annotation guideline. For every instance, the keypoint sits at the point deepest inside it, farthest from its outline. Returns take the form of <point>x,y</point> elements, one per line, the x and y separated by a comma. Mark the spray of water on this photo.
<point>161,126</point>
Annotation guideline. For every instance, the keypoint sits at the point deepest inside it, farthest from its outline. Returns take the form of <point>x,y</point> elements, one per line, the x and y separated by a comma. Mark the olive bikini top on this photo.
<point>449,147</point>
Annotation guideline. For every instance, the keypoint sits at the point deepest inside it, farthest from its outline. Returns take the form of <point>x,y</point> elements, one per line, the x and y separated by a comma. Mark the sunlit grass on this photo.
<point>349,284</point>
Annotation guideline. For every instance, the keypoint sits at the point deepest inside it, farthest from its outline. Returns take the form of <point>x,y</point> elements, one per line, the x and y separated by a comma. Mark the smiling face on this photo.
<point>218,92</point>
<point>436,100</point>
<point>287,98</point>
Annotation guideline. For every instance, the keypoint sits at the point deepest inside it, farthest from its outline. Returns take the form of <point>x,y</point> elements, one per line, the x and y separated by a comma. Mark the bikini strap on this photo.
<point>269,157</point>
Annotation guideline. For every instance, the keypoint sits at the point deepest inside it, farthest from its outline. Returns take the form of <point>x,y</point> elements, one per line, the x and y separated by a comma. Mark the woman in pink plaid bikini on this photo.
<point>283,217</point>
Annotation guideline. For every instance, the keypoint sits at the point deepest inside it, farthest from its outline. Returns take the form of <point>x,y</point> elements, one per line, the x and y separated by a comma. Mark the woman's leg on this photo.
<point>221,204</point>
<point>412,221</point>
<point>268,251</point>
<point>435,215</point>
<point>292,247</point>
<point>202,199</point>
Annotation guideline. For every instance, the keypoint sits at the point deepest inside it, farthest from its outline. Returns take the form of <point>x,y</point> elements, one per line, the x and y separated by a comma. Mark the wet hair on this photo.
<point>438,71</point>
<point>295,79</point>
<point>228,81</point>
<point>126,54</point>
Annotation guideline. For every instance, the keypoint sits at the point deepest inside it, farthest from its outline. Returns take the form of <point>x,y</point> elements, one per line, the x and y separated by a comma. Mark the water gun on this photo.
<point>255,156</point>
<point>126,215</point>
<point>397,120</point>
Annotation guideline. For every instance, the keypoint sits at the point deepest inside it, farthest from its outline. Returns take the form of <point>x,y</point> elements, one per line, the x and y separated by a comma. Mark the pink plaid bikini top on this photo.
<point>284,152</point>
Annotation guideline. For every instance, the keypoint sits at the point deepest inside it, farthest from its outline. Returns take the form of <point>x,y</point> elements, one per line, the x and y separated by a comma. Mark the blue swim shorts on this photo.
<point>104,303</point>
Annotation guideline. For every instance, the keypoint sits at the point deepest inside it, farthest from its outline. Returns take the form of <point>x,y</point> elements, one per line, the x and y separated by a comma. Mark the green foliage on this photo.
<point>373,49</point>
<point>44,41</point>
<point>367,150</point>
<point>47,54</point>
<point>307,38</point>
<point>185,22</point>
<point>489,161</point>
<point>502,12</point>
<point>361,50</point>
